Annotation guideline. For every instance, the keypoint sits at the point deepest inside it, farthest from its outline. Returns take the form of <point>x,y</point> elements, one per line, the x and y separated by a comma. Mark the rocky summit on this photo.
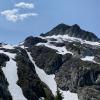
<point>73,31</point>
<point>62,64</point>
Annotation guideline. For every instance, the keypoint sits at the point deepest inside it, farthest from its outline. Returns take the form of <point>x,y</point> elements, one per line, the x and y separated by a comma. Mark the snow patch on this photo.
<point>88,58</point>
<point>10,72</point>
<point>51,83</point>
<point>11,55</point>
<point>48,79</point>
<point>42,98</point>
<point>61,38</point>
<point>68,95</point>
<point>60,50</point>
<point>7,46</point>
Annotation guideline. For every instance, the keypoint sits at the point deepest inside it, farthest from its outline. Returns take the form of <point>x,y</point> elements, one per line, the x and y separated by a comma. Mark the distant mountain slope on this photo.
<point>66,58</point>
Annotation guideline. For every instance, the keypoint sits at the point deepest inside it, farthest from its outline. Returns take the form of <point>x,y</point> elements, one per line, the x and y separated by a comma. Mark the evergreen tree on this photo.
<point>59,95</point>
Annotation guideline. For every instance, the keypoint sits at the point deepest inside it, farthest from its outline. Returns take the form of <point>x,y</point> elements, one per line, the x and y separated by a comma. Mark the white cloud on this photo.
<point>23,16</point>
<point>14,15</point>
<point>10,14</point>
<point>24,5</point>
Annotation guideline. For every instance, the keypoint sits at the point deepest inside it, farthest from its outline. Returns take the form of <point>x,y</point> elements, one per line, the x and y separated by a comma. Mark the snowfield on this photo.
<point>60,50</point>
<point>88,58</point>
<point>68,95</point>
<point>48,79</point>
<point>10,72</point>
<point>51,83</point>
<point>7,46</point>
<point>61,38</point>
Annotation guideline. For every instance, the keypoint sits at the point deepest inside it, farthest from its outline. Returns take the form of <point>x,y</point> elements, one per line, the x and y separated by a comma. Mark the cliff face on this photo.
<point>67,58</point>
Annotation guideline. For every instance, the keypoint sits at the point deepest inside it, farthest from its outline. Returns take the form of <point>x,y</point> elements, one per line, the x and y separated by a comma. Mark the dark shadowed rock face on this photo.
<point>73,31</point>
<point>4,93</point>
<point>29,81</point>
<point>78,74</point>
<point>89,93</point>
<point>33,88</point>
<point>80,50</point>
<point>3,59</point>
<point>33,40</point>
<point>9,50</point>
<point>46,58</point>
<point>58,30</point>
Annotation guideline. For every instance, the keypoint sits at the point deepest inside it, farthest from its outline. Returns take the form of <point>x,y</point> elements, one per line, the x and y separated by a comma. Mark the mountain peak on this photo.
<point>62,26</point>
<point>75,27</point>
<point>58,30</point>
<point>73,31</point>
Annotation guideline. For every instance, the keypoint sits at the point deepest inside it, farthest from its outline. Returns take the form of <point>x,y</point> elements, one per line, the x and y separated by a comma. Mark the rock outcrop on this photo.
<point>74,31</point>
<point>68,52</point>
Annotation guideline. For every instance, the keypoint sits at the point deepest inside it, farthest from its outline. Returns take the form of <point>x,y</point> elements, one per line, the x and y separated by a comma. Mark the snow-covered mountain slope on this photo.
<point>23,82</point>
<point>65,61</point>
<point>60,50</point>
<point>50,81</point>
<point>10,71</point>
<point>61,38</point>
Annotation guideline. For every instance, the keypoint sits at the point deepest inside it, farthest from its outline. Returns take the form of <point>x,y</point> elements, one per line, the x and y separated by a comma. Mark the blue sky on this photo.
<point>86,13</point>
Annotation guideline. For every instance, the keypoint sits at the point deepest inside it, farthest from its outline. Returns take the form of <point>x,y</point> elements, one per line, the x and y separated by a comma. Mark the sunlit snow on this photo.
<point>88,58</point>
<point>51,83</point>
<point>48,79</point>
<point>60,50</point>
<point>7,46</point>
<point>10,71</point>
<point>61,38</point>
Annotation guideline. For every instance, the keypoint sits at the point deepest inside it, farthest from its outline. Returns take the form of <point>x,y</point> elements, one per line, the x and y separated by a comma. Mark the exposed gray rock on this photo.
<point>4,93</point>
<point>71,72</point>
<point>3,59</point>
<point>46,58</point>
<point>29,81</point>
<point>76,73</point>
<point>73,30</point>
<point>89,93</point>
<point>59,29</point>
<point>30,41</point>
